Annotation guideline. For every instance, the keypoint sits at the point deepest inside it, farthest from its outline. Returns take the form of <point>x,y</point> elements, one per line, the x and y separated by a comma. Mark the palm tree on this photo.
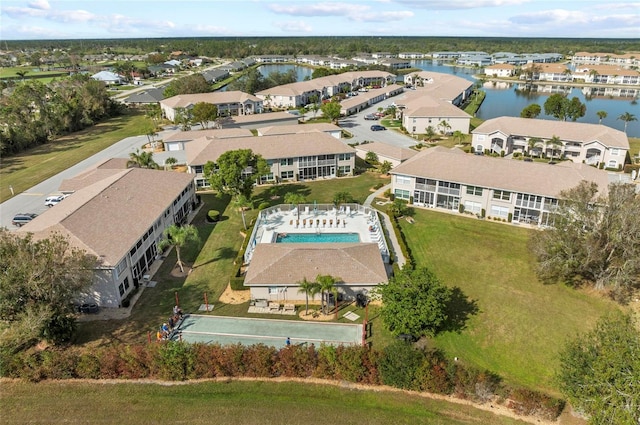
<point>179,236</point>
<point>554,142</point>
<point>310,288</point>
<point>341,198</point>
<point>444,126</point>
<point>457,136</point>
<point>627,117</point>
<point>327,285</point>
<point>430,133</point>
<point>532,143</point>
<point>601,115</point>
<point>141,160</point>
<point>171,161</point>
<point>241,202</point>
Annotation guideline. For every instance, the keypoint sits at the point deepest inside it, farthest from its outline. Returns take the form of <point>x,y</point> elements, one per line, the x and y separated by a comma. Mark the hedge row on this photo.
<point>404,246</point>
<point>399,365</point>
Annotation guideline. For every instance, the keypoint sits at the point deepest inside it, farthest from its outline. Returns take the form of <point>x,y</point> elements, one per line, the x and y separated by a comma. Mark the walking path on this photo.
<point>388,226</point>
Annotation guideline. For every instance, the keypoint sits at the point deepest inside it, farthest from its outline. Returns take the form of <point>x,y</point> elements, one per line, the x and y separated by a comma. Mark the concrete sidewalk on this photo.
<point>388,226</point>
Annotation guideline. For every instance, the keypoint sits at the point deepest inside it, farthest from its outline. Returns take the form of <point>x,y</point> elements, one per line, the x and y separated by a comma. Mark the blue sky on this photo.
<point>65,19</point>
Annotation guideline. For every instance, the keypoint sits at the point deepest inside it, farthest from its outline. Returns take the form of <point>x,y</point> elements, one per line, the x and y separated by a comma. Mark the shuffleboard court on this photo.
<point>223,330</point>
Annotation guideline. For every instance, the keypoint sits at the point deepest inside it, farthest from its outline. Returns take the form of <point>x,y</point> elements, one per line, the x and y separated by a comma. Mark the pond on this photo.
<point>508,99</point>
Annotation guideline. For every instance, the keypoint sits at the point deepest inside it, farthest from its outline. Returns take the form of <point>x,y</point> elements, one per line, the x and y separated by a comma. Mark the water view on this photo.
<point>508,99</point>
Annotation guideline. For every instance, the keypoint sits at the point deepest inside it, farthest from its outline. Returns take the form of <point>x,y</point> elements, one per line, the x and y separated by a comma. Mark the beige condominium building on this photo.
<point>228,103</point>
<point>593,144</point>
<point>510,190</point>
<point>291,157</point>
<point>119,215</point>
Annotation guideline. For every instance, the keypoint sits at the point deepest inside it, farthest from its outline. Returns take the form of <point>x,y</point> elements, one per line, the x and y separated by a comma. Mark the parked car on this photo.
<point>53,200</point>
<point>371,117</point>
<point>378,127</point>
<point>23,218</point>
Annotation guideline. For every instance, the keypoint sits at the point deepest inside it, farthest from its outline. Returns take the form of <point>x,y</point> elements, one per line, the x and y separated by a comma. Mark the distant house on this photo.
<point>177,141</point>
<point>500,70</point>
<point>546,72</point>
<point>228,103</point>
<point>606,74</point>
<point>215,75</point>
<point>149,96</point>
<point>109,78</point>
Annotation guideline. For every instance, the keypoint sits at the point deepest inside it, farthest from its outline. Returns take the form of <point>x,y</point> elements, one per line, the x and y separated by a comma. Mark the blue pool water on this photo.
<point>317,237</point>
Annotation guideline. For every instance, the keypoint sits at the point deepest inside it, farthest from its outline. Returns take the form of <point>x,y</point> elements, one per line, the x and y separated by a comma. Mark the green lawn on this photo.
<point>233,403</point>
<point>34,166</point>
<point>634,146</point>
<point>520,324</point>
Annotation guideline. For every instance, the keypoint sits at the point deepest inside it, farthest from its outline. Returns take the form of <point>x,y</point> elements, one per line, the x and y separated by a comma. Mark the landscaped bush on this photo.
<point>628,168</point>
<point>213,216</point>
<point>263,206</point>
<point>378,185</point>
<point>400,364</point>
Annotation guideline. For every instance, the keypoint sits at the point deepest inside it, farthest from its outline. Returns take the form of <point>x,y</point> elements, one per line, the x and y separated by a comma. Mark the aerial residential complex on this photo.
<point>514,191</point>
<point>593,144</point>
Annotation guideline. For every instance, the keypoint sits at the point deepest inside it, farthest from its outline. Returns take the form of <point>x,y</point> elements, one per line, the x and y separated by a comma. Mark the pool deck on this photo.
<point>321,219</point>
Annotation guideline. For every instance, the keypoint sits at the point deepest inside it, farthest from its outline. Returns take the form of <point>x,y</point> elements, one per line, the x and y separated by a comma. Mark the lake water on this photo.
<point>507,99</point>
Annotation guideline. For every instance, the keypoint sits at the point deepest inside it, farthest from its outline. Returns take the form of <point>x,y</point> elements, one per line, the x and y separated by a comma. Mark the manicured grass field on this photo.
<point>520,324</point>
<point>233,403</point>
<point>31,167</point>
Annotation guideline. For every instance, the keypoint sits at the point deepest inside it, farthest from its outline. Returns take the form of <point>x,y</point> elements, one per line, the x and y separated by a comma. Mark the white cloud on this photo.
<point>294,26</point>
<point>39,4</point>
<point>459,4</point>
<point>319,9</point>
<point>384,16</point>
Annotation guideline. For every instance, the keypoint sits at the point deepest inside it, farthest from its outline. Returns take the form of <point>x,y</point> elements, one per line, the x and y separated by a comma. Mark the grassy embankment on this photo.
<point>232,403</point>
<point>31,167</point>
<point>520,324</point>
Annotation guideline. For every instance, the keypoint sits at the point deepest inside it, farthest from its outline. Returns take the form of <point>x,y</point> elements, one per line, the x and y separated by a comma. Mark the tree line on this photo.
<point>35,113</point>
<point>240,47</point>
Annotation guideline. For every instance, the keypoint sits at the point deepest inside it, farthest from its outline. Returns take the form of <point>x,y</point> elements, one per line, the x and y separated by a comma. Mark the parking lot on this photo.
<point>361,129</point>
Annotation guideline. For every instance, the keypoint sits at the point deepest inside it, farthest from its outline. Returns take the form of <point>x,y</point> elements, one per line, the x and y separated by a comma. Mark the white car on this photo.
<point>53,200</point>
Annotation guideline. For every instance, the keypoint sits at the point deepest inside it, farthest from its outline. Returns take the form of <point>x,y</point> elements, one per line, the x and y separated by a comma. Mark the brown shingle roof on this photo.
<point>107,217</point>
<point>297,128</point>
<point>219,97</point>
<point>288,264</point>
<point>546,129</point>
<point>389,151</point>
<point>498,173</point>
<point>270,147</point>
<point>218,133</point>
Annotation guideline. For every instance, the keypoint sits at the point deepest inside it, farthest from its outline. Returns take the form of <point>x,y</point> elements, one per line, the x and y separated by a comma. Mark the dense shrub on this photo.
<point>400,364</point>
<point>263,206</point>
<point>213,216</point>
<point>378,185</point>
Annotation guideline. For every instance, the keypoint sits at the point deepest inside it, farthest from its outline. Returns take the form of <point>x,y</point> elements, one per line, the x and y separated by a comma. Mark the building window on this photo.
<point>273,290</point>
<point>403,180</point>
<point>344,169</point>
<point>402,194</point>
<point>473,207</point>
<point>502,195</point>
<point>286,175</point>
<point>474,190</point>
<point>266,178</point>
<point>286,161</point>
<point>615,152</point>
<point>122,265</point>
<point>498,211</point>
<point>344,157</point>
<point>612,164</point>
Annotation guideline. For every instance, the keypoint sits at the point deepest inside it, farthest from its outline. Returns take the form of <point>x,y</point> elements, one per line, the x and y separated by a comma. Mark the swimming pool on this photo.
<point>318,238</point>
